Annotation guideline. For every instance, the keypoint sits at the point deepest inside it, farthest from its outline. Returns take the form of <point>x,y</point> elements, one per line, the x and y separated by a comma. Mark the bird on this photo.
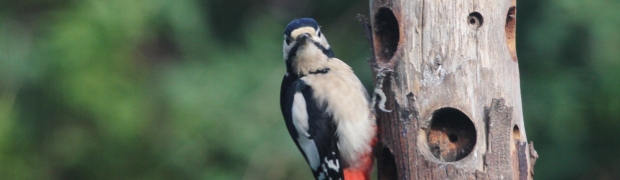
<point>326,108</point>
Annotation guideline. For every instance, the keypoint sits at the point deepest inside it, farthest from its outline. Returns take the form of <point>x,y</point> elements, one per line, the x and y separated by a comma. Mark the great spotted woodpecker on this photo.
<point>325,107</point>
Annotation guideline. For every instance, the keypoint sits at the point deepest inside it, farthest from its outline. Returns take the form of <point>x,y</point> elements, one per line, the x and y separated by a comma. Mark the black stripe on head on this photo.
<point>293,52</point>
<point>328,52</point>
<point>298,23</point>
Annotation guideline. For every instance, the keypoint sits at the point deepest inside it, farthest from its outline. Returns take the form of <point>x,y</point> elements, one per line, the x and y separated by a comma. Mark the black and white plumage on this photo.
<point>325,106</point>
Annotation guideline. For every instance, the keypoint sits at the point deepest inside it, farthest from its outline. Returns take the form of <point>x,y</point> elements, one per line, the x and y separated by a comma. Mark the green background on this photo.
<point>154,89</point>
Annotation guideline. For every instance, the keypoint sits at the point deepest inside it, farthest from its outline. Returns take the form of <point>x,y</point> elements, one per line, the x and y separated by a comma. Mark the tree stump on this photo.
<point>447,97</point>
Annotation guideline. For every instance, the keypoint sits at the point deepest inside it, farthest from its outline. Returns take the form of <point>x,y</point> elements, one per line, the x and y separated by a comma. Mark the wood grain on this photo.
<point>458,55</point>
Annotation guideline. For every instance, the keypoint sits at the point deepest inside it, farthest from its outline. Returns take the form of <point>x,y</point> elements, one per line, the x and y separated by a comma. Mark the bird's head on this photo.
<point>303,37</point>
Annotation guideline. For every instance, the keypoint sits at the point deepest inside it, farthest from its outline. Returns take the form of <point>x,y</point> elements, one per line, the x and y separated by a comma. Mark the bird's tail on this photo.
<point>363,171</point>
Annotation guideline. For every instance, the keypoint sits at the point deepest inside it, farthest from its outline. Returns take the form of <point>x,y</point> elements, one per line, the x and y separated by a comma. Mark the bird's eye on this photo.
<point>287,40</point>
<point>319,33</point>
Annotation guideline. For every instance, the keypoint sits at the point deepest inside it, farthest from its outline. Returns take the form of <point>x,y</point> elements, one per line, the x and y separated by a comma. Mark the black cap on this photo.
<point>301,22</point>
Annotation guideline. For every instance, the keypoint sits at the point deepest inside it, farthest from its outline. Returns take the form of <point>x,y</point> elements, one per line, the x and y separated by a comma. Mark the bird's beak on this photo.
<point>303,37</point>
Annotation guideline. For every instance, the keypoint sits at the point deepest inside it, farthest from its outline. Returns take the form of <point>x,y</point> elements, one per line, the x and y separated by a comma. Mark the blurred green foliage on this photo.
<point>137,89</point>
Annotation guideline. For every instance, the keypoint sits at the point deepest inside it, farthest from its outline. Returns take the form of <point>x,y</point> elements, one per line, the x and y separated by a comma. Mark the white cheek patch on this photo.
<point>300,121</point>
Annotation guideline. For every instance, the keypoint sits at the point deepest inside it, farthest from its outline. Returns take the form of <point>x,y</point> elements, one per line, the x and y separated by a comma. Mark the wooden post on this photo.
<point>448,101</point>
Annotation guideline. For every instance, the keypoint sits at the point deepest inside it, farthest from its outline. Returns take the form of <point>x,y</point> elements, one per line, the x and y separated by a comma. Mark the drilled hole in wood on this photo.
<point>475,19</point>
<point>510,28</point>
<point>452,135</point>
<point>516,133</point>
<point>386,164</point>
<point>387,34</point>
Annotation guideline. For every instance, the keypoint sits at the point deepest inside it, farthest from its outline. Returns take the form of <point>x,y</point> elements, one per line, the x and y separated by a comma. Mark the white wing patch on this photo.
<point>332,164</point>
<point>300,121</point>
<point>300,114</point>
<point>321,176</point>
<point>310,150</point>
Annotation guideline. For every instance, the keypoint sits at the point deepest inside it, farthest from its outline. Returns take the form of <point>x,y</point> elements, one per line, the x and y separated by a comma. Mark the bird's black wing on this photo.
<point>287,93</point>
<point>322,130</point>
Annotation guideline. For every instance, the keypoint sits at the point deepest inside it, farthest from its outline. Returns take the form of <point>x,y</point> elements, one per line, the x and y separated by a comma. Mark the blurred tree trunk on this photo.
<point>447,97</point>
